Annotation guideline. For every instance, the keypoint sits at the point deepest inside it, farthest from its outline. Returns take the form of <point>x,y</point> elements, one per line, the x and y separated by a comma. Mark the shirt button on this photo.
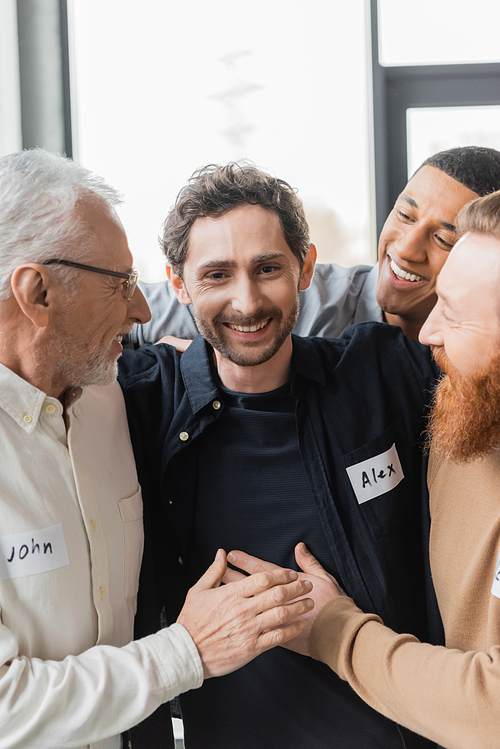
<point>50,409</point>
<point>183,436</point>
<point>216,405</point>
<point>102,592</point>
<point>93,525</point>
<point>180,560</point>
<point>27,418</point>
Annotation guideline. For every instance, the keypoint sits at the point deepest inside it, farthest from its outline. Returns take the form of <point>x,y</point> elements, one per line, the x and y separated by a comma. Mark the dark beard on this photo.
<point>464,423</point>
<point>214,333</point>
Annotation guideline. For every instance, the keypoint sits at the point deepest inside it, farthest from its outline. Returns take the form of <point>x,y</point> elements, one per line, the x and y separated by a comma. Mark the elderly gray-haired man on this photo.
<point>70,504</point>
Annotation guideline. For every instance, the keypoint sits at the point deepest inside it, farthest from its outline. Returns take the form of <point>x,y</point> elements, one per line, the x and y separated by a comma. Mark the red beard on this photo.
<point>464,423</point>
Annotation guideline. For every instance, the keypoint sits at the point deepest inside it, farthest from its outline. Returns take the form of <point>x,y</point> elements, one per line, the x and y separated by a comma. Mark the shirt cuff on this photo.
<point>179,663</point>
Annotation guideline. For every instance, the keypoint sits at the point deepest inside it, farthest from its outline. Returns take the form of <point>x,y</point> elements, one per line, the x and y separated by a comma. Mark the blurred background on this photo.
<point>341,99</point>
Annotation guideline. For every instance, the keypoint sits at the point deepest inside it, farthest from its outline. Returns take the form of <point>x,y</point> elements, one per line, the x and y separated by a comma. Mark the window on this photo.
<point>10,101</point>
<point>433,129</point>
<point>160,89</point>
<point>437,33</point>
<point>429,68</point>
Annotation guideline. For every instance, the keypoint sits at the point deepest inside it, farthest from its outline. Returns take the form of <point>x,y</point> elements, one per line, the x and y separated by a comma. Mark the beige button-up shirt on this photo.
<point>71,540</point>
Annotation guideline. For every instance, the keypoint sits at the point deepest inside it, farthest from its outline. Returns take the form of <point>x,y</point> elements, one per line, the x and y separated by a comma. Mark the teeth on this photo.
<point>248,328</point>
<point>403,274</point>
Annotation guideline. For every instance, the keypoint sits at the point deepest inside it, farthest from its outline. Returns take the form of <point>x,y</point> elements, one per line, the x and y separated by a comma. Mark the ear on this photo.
<point>308,269</point>
<point>33,291</point>
<point>178,286</point>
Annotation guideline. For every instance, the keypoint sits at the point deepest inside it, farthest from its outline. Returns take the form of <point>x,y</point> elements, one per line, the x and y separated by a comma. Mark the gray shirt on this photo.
<point>337,297</point>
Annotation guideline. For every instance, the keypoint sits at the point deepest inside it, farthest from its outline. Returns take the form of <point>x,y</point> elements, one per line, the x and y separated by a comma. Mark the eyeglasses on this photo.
<point>131,278</point>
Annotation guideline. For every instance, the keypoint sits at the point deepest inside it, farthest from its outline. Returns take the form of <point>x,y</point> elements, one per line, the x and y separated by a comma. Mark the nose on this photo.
<point>247,298</point>
<point>431,332</point>
<point>138,309</point>
<point>411,244</point>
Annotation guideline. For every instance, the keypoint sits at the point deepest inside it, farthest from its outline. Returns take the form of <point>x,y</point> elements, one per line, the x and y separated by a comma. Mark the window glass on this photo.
<point>429,32</point>
<point>161,89</point>
<point>10,102</point>
<point>435,129</point>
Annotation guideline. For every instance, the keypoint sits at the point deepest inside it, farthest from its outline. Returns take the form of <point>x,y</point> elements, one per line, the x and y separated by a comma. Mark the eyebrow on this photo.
<point>263,258</point>
<point>411,202</point>
<point>451,227</point>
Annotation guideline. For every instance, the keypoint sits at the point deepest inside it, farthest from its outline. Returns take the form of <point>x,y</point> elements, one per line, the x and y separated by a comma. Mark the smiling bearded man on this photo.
<point>252,331</point>
<point>213,332</point>
<point>256,439</point>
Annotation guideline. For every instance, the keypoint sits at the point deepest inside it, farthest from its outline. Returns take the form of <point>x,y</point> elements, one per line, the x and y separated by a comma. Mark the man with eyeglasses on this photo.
<point>130,278</point>
<point>71,533</point>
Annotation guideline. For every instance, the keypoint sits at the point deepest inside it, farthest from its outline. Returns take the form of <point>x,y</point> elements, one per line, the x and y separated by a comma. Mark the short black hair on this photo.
<point>476,167</point>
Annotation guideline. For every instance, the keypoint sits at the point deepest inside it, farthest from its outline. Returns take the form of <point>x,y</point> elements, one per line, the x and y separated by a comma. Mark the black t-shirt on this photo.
<point>254,495</point>
<point>250,475</point>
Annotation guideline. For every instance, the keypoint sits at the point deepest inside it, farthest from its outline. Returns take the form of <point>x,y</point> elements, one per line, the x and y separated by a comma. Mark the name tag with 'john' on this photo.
<point>376,476</point>
<point>32,552</point>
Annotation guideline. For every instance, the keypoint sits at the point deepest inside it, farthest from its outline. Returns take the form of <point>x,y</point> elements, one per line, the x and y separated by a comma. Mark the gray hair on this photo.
<point>39,192</point>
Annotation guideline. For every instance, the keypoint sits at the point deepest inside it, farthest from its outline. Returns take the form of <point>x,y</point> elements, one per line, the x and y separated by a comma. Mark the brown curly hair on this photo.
<point>214,190</point>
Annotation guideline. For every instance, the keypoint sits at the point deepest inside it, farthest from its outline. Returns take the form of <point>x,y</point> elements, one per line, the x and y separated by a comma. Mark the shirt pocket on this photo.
<point>133,536</point>
<point>384,481</point>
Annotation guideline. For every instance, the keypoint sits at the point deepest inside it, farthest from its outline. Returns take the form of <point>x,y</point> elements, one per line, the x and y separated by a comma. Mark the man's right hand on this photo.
<point>234,623</point>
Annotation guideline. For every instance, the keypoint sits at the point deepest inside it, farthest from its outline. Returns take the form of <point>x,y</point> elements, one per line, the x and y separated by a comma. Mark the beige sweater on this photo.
<point>452,694</point>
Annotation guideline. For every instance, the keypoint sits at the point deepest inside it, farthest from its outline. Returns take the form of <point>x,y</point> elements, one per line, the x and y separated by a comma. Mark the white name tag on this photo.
<point>495,588</point>
<point>30,553</point>
<point>376,476</point>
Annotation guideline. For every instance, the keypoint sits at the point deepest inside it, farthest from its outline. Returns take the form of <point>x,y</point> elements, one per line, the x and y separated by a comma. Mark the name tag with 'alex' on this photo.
<point>30,553</point>
<point>376,476</point>
<point>495,588</point>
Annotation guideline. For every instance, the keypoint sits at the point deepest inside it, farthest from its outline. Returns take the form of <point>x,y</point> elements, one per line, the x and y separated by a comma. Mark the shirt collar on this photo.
<point>201,388</point>
<point>23,401</point>
<point>195,367</point>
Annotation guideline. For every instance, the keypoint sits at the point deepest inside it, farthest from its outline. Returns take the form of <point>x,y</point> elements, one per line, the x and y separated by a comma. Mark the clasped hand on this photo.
<point>232,624</point>
<point>325,587</point>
